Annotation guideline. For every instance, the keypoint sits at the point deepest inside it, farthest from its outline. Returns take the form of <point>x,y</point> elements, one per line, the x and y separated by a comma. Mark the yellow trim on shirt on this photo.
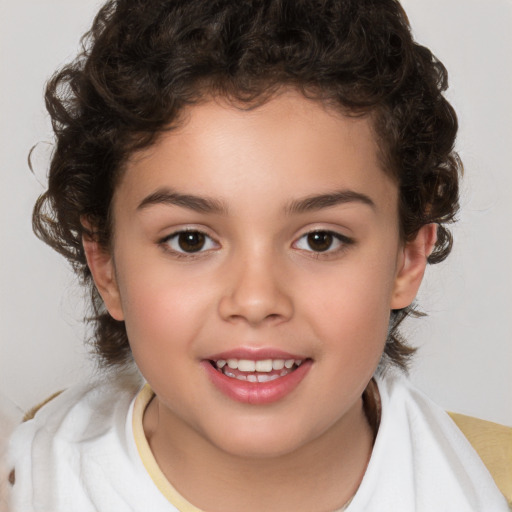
<point>164,486</point>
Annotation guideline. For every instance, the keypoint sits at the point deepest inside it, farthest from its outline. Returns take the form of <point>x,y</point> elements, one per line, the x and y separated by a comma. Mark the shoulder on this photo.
<point>423,457</point>
<point>493,443</point>
<point>68,435</point>
<point>80,411</point>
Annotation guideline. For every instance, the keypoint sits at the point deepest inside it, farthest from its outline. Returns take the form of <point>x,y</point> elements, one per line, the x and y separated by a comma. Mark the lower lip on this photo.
<point>257,393</point>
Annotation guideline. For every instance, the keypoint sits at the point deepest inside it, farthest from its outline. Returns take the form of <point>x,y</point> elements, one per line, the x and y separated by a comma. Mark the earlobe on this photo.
<point>412,264</point>
<point>102,269</point>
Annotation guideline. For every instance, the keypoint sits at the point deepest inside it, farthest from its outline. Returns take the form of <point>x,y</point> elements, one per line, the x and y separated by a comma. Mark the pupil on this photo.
<point>320,241</point>
<point>191,242</point>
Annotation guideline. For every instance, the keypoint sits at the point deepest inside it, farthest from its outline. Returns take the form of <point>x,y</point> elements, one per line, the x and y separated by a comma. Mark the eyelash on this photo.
<point>180,252</point>
<point>340,241</point>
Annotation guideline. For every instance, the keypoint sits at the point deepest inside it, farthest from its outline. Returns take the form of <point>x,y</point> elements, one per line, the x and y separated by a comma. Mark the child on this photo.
<point>252,191</point>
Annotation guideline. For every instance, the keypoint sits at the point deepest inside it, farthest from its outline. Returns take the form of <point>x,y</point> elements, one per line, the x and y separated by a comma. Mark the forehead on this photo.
<point>290,144</point>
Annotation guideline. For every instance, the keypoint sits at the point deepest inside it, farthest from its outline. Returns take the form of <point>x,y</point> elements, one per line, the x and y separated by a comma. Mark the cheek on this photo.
<point>160,329</point>
<point>160,309</point>
<point>169,312</point>
<point>351,293</point>
<point>352,307</point>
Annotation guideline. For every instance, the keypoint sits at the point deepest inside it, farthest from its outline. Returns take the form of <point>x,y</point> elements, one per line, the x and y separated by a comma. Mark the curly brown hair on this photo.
<point>143,61</point>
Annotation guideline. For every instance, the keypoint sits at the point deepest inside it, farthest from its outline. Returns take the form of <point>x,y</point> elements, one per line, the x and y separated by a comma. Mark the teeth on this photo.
<point>261,365</point>
<point>244,365</point>
<point>278,364</point>
<point>264,366</point>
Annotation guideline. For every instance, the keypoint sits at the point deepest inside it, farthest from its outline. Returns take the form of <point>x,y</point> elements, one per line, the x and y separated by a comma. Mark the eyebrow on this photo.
<point>318,202</point>
<point>190,201</point>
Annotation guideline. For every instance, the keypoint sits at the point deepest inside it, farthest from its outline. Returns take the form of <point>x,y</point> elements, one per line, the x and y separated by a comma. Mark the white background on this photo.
<point>465,359</point>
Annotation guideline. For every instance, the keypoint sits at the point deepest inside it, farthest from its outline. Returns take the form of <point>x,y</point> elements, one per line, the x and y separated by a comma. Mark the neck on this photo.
<point>322,475</point>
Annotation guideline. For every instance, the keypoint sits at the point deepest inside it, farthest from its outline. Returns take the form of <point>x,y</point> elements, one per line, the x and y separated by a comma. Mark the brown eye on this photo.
<point>188,241</point>
<point>320,241</point>
<point>191,241</point>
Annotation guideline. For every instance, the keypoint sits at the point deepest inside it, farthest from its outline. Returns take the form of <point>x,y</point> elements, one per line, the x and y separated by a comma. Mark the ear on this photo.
<point>101,265</point>
<point>411,266</point>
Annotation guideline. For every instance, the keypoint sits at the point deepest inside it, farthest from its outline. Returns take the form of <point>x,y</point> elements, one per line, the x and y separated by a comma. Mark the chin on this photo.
<point>262,439</point>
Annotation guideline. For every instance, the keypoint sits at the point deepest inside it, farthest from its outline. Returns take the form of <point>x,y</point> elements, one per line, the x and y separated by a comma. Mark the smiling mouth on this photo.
<point>263,370</point>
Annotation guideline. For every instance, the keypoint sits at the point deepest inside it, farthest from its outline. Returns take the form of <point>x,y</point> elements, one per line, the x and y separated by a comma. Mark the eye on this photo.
<point>189,241</point>
<point>322,241</point>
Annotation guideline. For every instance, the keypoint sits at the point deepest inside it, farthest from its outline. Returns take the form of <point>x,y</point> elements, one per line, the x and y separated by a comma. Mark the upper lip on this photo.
<point>255,354</point>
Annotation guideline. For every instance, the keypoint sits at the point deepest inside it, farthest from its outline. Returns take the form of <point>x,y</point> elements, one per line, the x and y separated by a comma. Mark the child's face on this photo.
<point>256,235</point>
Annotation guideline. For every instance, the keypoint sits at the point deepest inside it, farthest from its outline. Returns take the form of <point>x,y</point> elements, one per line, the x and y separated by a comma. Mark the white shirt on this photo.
<point>86,451</point>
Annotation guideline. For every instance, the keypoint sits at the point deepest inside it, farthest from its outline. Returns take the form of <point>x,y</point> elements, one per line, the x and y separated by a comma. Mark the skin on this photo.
<point>257,283</point>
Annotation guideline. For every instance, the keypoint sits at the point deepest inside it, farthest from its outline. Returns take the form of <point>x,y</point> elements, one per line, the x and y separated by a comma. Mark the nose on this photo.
<point>255,292</point>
